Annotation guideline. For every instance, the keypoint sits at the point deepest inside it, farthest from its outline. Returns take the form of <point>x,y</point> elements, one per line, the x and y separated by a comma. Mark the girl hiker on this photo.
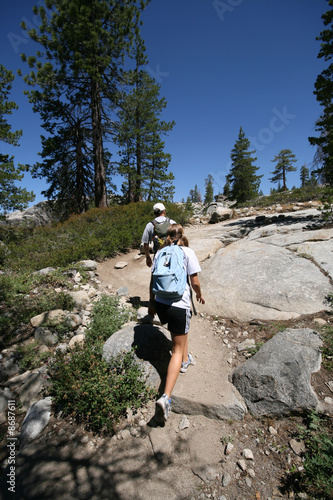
<point>176,313</point>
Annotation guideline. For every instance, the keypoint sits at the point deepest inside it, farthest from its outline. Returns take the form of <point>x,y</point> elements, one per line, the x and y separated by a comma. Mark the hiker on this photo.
<point>176,313</point>
<point>156,231</point>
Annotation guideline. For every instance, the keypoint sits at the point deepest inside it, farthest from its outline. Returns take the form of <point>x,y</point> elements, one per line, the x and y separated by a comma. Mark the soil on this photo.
<point>189,460</point>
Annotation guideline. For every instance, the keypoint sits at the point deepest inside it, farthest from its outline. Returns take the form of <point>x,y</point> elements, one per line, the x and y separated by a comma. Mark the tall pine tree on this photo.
<point>209,190</point>
<point>244,182</point>
<point>284,164</point>
<point>324,95</point>
<point>85,43</point>
<point>143,160</point>
<point>11,196</point>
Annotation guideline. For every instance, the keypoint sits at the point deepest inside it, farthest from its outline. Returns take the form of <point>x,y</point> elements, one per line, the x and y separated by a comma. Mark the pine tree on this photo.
<point>244,183</point>
<point>285,160</point>
<point>305,176</point>
<point>209,191</point>
<point>195,195</point>
<point>85,43</point>
<point>11,196</point>
<point>324,95</point>
<point>144,163</point>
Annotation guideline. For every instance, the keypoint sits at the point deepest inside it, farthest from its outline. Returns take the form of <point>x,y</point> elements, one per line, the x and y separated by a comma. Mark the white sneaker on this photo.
<point>185,365</point>
<point>163,407</point>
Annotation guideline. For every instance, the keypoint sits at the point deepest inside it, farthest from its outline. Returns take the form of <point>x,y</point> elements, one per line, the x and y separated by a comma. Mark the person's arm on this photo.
<point>151,307</point>
<point>148,258</point>
<point>197,288</point>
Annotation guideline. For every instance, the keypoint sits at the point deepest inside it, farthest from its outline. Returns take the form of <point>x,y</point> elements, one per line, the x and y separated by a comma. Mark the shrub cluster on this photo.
<point>95,234</point>
<point>88,388</point>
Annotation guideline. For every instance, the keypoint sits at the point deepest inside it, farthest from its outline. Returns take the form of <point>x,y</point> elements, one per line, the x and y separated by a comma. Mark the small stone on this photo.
<point>328,401</point>
<point>251,473</point>
<point>228,448</point>
<point>226,479</point>
<point>184,423</point>
<point>298,447</point>
<point>246,345</point>
<point>242,464</point>
<point>120,265</point>
<point>248,482</point>
<point>247,454</point>
<point>272,431</point>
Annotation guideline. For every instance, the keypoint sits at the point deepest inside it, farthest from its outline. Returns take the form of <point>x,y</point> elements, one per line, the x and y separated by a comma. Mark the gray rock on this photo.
<point>220,214</point>
<point>8,367</point>
<point>45,336</point>
<point>123,291</point>
<point>55,317</point>
<point>33,386</point>
<point>81,298</point>
<point>250,280</point>
<point>277,380</point>
<point>45,271</point>
<point>88,265</point>
<point>5,396</point>
<point>152,346</point>
<point>35,421</point>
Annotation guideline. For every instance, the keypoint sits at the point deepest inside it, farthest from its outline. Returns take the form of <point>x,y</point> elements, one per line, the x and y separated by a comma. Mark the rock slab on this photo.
<point>276,381</point>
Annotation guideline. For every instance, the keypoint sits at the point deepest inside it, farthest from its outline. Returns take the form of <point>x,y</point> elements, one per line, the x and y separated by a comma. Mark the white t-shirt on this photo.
<point>149,232</point>
<point>192,266</point>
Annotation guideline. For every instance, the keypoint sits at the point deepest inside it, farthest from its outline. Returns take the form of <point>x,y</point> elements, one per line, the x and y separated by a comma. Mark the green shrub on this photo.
<point>107,317</point>
<point>29,357</point>
<point>95,234</point>
<point>20,303</point>
<point>316,480</point>
<point>95,393</point>
<point>89,389</point>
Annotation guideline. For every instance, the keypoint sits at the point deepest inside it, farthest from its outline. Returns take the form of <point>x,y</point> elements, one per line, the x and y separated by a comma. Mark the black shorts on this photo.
<point>178,319</point>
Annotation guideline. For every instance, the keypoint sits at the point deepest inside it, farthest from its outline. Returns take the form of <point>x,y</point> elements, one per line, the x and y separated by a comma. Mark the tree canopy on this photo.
<point>11,196</point>
<point>285,160</point>
<point>324,94</point>
<point>244,182</point>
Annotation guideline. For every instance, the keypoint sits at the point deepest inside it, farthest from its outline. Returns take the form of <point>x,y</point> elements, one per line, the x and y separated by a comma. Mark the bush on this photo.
<point>107,318</point>
<point>20,303</point>
<point>95,234</point>
<point>91,390</point>
<point>316,480</point>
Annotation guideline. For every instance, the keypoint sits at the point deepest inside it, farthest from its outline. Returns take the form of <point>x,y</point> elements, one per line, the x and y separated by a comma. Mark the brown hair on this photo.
<point>175,234</point>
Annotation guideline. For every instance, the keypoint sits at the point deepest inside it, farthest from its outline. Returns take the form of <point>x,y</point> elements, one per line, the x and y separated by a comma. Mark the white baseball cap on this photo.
<point>158,207</point>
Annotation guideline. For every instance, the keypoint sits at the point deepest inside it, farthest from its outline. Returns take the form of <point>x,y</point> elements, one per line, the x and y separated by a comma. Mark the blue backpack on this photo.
<point>169,275</point>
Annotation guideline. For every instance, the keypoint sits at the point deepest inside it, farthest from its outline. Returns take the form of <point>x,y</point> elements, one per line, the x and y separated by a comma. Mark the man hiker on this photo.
<point>156,231</point>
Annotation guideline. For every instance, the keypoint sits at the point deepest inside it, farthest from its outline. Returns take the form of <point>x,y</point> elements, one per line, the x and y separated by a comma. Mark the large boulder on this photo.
<point>249,279</point>
<point>152,345</point>
<point>37,215</point>
<point>276,381</point>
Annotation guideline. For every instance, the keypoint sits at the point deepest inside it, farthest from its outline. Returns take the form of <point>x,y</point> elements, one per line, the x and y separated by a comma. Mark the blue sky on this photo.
<point>222,65</point>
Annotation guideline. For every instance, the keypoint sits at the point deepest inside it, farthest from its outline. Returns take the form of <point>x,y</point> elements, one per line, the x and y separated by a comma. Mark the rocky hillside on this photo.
<point>266,278</point>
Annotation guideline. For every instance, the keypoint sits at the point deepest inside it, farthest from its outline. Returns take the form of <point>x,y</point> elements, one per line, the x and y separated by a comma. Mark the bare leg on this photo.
<point>185,351</point>
<point>179,344</point>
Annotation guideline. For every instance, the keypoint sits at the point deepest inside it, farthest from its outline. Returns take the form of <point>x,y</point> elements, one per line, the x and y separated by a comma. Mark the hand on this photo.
<point>200,299</point>
<point>149,261</point>
<point>151,309</point>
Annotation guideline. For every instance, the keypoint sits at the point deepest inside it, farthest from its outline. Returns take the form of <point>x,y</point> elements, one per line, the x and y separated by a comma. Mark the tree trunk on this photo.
<point>100,185</point>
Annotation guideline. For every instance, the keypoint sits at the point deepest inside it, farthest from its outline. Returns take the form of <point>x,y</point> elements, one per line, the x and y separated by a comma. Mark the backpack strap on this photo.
<point>191,294</point>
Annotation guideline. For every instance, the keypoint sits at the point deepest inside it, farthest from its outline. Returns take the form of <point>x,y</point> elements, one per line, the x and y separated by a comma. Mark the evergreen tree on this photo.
<point>285,160</point>
<point>11,196</point>
<point>244,183</point>
<point>144,163</point>
<point>209,192</point>
<point>85,43</point>
<point>195,195</point>
<point>324,95</point>
<point>227,188</point>
<point>305,176</point>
